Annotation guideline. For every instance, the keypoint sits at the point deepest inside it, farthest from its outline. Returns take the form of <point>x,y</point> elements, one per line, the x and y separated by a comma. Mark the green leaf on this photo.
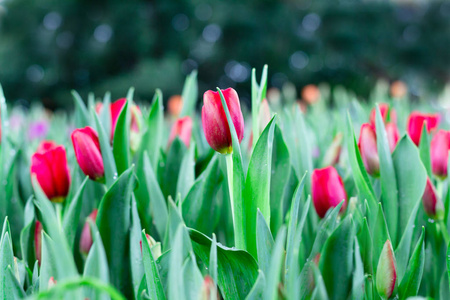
<point>264,243</point>
<point>137,269</point>
<point>107,154</point>
<point>121,141</point>
<point>237,269</point>
<point>358,274</point>
<point>411,179</point>
<point>389,192</point>
<point>27,234</point>
<point>258,288</point>
<point>424,149</point>
<point>380,235</point>
<point>72,215</point>
<point>172,169</point>
<point>320,292</point>
<point>154,286</point>
<point>366,246</point>
<point>336,260</point>
<point>6,259</point>
<point>200,205</point>
<point>258,95</point>
<point>82,118</point>
<point>176,280</point>
<point>410,283</point>
<point>113,221</point>
<point>276,265</point>
<point>257,185</point>
<point>213,259</point>
<point>186,175</point>
<point>189,94</point>
<point>105,113</point>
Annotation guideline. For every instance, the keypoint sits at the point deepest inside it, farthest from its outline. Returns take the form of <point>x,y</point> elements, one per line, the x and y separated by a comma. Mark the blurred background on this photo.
<point>49,47</point>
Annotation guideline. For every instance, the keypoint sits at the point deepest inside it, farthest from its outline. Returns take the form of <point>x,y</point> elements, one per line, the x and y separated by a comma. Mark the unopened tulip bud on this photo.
<point>368,147</point>
<point>87,152</point>
<point>182,128</point>
<point>393,135</point>
<point>440,145</point>
<point>49,166</point>
<point>155,246</point>
<point>86,235</point>
<point>51,282</point>
<point>334,151</point>
<point>209,289</point>
<point>115,109</point>
<point>415,124</point>
<point>432,203</point>
<point>386,279</point>
<point>38,241</point>
<point>214,119</point>
<point>327,190</point>
<point>387,114</point>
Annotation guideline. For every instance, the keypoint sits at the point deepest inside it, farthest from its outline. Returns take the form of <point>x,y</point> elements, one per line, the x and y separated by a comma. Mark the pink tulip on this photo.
<point>86,235</point>
<point>415,124</point>
<point>388,114</point>
<point>440,145</point>
<point>49,165</point>
<point>182,128</point>
<point>116,108</point>
<point>368,147</point>
<point>88,153</point>
<point>327,190</point>
<point>214,120</point>
<point>432,204</point>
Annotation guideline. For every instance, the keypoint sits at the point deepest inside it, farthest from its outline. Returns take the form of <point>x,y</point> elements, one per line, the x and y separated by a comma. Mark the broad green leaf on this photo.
<point>213,259</point>
<point>174,221</point>
<point>6,259</point>
<point>424,149</point>
<point>257,185</point>
<point>121,140</point>
<point>189,94</point>
<point>237,269</point>
<point>380,236</point>
<point>172,168</point>
<point>320,292</point>
<point>137,269</point>
<point>276,265</point>
<point>154,286</point>
<point>105,114</point>
<point>264,243</point>
<point>389,192</point>
<point>411,179</point>
<point>27,234</point>
<point>177,257</point>
<point>258,288</point>
<point>113,221</point>
<point>186,175</point>
<point>410,283</point>
<point>358,274</point>
<point>258,95</point>
<point>366,246</point>
<point>82,118</point>
<point>336,260</point>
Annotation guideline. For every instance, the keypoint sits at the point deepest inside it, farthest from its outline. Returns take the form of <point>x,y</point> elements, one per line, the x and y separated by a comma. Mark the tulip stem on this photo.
<point>444,230</point>
<point>229,160</point>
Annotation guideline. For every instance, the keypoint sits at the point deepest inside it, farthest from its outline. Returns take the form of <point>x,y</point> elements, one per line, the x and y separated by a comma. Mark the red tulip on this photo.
<point>415,124</point>
<point>38,241</point>
<point>87,151</point>
<point>86,235</point>
<point>386,279</point>
<point>392,135</point>
<point>327,190</point>
<point>432,204</point>
<point>368,147</point>
<point>116,108</point>
<point>49,165</point>
<point>183,129</point>
<point>214,120</point>
<point>388,114</point>
<point>440,145</point>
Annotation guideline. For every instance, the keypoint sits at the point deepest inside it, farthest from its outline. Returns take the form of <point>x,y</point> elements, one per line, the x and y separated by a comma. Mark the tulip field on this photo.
<point>206,197</point>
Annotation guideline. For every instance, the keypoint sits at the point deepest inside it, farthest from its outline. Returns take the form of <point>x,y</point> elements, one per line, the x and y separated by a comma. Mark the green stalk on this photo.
<point>443,228</point>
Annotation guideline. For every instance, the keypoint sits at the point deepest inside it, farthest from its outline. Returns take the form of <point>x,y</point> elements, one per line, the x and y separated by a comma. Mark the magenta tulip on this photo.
<point>440,145</point>
<point>327,190</point>
<point>214,120</point>
<point>49,166</point>
<point>182,128</point>
<point>368,147</point>
<point>432,204</point>
<point>87,151</point>
<point>86,235</point>
<point>415,124</point>
<point>116,108</point>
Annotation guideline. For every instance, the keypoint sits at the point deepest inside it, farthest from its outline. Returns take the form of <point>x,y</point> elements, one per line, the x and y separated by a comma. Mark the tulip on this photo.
<point>388,114</point>
<point>386,279</point>
<point>155,246</point>
<point>432,204</point>
<point>214,120</point>
<point>86,235</point>
<point>368,147</point>
<point>327,190</point>
<point>310,94</point>
<point>175,105</point>
<point>51,282</point>
<point>209,289</point>
<point>440,145</point>
<point>334,151</point>
<point>415,124</point>
<point>183,129</point>
<point>38,241</point>
<point>49,165</point>
<point>398,89</point>
<point>88,153</point>
<point>116,108</point>
<point>392,135</point>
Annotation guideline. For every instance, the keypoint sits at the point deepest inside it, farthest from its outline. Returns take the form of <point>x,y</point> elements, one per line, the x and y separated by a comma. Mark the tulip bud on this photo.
<point>116,108</point>
<point>49,165</point>
<point>86,235</point>
<point>214,119</point>
<point>398,89</point>
<point>432,204</point>
<point>310,94</point>
<point>87,151</point>
<point>334,151</point>
<point>183,129</point>
<point>368,147</point>
<point>392,135</point>
<point>386,280</point>
<point>209,289</point>
<point>51,282</point>
<point>327,190</point>
<point>440,145</point>
<point>38,241</point>
<point>155,246</point>
<point>175,105</point>
<point>415,124</point>
<point>388,114</point>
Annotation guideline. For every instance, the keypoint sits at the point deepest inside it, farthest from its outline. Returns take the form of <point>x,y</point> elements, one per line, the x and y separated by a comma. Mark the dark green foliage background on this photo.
<point>356,42</point>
